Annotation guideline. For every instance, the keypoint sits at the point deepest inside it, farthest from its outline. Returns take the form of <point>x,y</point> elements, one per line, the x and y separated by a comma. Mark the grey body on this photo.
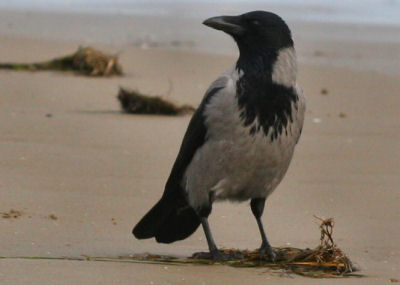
<point>232,164</point>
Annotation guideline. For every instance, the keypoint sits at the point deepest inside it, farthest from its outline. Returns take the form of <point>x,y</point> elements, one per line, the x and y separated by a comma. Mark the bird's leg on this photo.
<point>214,253</point>
<point>210,240</point>
<point>257,207</point>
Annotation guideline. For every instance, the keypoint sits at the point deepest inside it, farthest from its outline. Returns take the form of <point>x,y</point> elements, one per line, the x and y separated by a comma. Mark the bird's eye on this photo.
<point>255,22</point>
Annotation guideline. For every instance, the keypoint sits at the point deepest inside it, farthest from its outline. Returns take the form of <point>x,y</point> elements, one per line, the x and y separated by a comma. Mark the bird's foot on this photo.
<point>267,252</point>
<point>217,255</point>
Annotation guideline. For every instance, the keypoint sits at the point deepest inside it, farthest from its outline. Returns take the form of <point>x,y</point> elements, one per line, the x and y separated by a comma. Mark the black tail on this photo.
<point>171,219</point>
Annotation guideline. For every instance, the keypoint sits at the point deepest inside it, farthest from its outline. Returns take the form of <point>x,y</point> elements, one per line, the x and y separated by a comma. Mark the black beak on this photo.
<point>229,24</point>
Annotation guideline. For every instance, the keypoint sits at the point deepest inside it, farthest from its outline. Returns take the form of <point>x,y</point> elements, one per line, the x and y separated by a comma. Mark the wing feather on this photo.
<point>195,137</point>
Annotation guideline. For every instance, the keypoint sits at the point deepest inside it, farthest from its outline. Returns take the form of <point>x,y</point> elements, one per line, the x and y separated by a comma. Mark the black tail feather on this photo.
<point>149,224</point>
<point>169,220</point>
<point>180,224</point>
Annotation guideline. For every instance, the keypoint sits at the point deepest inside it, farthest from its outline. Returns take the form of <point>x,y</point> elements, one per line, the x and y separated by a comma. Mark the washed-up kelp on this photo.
<point>136,103</point>
<point>85,60</point>
<point>325,261</point>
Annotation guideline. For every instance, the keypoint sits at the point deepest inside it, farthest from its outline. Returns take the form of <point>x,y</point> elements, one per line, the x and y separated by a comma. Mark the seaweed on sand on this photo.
<point>134,102</point>
<point>86,60</point>
<point>325,261</point>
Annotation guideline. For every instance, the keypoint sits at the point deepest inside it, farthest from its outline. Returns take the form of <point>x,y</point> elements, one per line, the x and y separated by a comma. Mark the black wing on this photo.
<point>171,218</point>
<point>194,138</point>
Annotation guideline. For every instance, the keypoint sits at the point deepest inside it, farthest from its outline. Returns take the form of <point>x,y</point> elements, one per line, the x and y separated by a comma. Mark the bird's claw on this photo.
<point>268,252</point>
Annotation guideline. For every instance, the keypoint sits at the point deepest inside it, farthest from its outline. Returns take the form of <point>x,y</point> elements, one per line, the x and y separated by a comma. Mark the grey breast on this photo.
<point>232,164</point>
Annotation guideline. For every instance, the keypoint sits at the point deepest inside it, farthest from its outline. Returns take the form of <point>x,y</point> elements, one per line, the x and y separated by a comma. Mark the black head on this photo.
<point>254,31</point>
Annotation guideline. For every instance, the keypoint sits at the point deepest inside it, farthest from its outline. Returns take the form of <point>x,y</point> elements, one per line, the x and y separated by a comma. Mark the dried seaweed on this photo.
<point>85,60</point>
<point>325,261</point>
<point>134,102</point>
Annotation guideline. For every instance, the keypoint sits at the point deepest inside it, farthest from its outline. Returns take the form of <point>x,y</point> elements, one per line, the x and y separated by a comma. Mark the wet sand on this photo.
<point>68,151</point>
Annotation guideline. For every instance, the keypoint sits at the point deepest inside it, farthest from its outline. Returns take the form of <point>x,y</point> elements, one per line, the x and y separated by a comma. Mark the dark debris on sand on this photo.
<point>134,102</point>
<point>12,214</point>
<point>86,60</point>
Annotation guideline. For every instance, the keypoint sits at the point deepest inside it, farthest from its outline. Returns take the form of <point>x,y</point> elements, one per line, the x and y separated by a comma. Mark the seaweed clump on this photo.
<point>86,60</point>
<point>325,261</point>
<point>134,102</point>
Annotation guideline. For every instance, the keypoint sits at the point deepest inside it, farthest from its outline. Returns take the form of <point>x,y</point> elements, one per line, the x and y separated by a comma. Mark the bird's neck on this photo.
<point>265,90</point>
<point>269,66</point>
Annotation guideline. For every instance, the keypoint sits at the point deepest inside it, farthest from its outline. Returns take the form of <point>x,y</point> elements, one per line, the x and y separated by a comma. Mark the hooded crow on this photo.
<point>240,141</point>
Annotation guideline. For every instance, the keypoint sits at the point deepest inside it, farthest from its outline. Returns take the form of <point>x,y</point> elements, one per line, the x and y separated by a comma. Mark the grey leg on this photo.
<point>210,240</point>
<point>214,253</point>
<point>257,207</point>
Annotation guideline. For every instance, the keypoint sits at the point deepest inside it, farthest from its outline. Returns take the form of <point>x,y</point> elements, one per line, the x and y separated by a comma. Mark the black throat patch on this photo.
<point>262,99</point>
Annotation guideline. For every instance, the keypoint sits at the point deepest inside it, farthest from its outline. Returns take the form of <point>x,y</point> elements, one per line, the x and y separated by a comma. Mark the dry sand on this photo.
<point>68,151</point>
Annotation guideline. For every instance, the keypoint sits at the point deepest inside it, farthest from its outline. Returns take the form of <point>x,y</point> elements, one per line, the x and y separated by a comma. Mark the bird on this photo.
<point>241,139</point>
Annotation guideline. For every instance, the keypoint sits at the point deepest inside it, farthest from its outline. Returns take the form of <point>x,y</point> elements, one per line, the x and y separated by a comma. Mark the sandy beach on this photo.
<point>80,173</point>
